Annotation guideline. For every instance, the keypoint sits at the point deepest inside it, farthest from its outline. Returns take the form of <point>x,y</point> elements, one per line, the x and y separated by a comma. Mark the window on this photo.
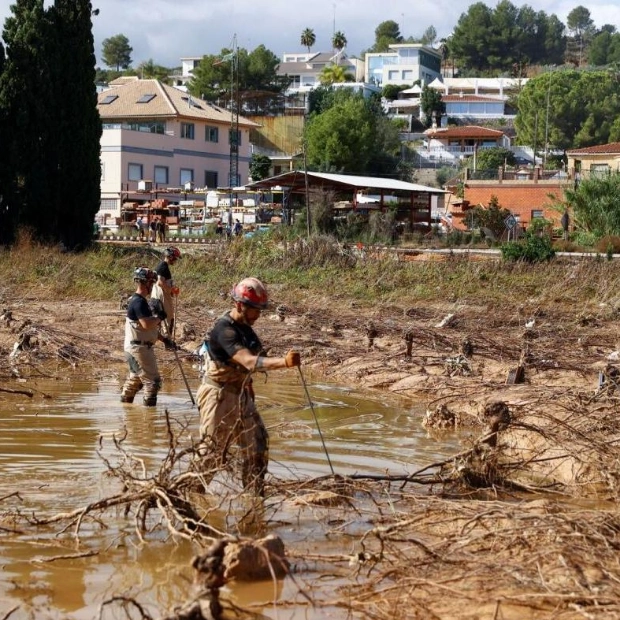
<point>134,172</point>
<point>102,171</point>
<point>537,214</point>
<point>161,175</point>
<point>148,127</point>
<point>408,75</point>
<point>210,179</point>
<point>187,131</point>
<point>109,204</point>
<point>393,75</point>
<point>187,176</point>
<point>108,99</point>
<point>599,170</point>
<point>212,134</point>
<point>146,98</point>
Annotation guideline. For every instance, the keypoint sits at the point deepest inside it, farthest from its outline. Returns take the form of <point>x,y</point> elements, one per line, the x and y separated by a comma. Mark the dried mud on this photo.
<point>522,524</point>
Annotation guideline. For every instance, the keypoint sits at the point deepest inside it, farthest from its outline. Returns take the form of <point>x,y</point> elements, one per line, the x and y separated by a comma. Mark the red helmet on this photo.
<point>252,292</point>
<point>172,252</point>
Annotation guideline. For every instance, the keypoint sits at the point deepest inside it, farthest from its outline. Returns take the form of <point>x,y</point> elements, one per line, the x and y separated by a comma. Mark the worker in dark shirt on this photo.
<point>141,334</point>
<point>165,289</point>
<point>228,414</point>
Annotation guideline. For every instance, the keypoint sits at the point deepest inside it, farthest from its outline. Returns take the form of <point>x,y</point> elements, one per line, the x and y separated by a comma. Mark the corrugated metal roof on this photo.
<point>357,182</point>
<point>375,182</point>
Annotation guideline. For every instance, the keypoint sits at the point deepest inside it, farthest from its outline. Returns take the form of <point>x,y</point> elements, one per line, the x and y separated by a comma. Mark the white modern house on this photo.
<point>303,69</point>
<point>188,64</point>
<point>158,141</point>
<point>405,63</point>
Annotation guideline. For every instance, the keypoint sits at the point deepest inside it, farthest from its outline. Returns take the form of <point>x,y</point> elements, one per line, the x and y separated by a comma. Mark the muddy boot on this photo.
<point>149,401</point>
<point>131,386</point>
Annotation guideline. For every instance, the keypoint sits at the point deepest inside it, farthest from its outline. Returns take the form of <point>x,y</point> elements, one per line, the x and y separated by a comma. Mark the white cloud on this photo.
<point>167,30</point>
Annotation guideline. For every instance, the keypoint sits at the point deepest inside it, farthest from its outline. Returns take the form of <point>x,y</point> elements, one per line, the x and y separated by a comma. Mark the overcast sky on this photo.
<point>168,30</point>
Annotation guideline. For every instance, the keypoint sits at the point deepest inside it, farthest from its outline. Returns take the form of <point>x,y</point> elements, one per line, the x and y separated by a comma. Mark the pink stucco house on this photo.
<point>158,141</point>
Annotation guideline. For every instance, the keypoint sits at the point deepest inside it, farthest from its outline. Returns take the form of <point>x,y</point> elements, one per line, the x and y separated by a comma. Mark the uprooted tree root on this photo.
<point>519,547</point>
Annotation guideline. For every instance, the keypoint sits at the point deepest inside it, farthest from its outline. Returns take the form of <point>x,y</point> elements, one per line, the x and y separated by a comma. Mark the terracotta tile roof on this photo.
<point>463,131</point>
<point>159,101</point>
<point>613,148</point>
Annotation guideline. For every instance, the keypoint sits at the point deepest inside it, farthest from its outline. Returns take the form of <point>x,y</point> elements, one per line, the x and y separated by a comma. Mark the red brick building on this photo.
<point>526,194</point>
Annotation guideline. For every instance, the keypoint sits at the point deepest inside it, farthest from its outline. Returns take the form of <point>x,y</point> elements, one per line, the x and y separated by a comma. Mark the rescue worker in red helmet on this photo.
<point>165,289</point>
<point>225,398</point>
<point>141,333</point>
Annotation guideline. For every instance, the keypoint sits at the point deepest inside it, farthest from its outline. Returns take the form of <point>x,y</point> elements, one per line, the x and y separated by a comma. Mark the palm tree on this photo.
<point>308,38</point>
<point>339,41</point>
<point>331,74</point>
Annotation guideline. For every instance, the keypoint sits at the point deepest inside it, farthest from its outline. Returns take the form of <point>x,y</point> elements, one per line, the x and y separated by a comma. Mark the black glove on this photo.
<point>157,308</point>
<point>169,344</point>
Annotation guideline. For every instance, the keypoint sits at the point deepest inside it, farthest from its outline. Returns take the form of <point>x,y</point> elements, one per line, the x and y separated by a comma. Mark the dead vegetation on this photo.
<point>522,523</point>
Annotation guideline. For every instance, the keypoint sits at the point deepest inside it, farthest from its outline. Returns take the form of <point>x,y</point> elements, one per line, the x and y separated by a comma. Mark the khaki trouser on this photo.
<point>229,416</point>
<point>143,371</point>
<point>168,304</point>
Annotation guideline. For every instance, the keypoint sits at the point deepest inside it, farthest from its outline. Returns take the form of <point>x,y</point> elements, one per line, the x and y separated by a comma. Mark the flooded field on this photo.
<point>51,449</point>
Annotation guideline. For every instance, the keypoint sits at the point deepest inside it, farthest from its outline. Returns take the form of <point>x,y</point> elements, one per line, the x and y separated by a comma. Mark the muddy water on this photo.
<point>49,455</point>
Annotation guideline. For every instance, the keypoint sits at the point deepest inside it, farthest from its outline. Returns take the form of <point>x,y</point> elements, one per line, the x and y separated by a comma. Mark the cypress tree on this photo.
<point>78,125</point>
<point>25,94</point>
<point>7,224</point>
<point>48,108</point>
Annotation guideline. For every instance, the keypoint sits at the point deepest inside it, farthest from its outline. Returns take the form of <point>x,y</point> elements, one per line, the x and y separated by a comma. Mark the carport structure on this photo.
<point>413,202</point>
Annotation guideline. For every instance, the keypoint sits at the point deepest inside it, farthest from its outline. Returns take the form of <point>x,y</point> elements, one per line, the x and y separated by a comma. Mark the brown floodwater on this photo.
<point>49,453</point>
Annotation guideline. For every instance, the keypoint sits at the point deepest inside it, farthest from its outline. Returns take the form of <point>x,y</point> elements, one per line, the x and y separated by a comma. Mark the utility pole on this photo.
<point>233,172</point>
<point>547,124</point>
<point>308,226</point>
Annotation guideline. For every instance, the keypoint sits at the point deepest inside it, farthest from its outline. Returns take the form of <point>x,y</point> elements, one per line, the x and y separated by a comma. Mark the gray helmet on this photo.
<point>144,274</point>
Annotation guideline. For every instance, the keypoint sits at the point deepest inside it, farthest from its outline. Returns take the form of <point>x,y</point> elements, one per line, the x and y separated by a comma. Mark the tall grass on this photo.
<point>300,270</point>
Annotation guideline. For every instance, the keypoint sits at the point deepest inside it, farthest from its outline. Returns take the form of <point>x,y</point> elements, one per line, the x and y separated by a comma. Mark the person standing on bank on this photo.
<point>164,288</point>
<point>141,334</point>
<point>225,397</point>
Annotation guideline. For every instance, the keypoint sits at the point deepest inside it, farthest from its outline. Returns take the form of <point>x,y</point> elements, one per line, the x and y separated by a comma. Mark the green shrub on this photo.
<point>530,249</point>
<point>584,239</point>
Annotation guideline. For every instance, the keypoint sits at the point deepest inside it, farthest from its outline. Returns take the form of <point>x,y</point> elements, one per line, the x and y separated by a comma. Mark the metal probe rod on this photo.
<point>303,381</point>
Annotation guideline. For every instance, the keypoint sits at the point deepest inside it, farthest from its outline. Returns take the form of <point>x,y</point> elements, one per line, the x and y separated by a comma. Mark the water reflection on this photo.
<point>51,453</point>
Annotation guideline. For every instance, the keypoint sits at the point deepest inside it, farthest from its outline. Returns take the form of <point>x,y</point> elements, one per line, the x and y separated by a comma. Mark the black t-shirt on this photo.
<point>138,308</point>
<point>163,270</point>
<point>228,336</point>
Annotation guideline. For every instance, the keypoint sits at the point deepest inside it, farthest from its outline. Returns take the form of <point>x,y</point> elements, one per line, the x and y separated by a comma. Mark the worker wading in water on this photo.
<point>141,333</point>
<point>165,289</point>
<point>228,414</point>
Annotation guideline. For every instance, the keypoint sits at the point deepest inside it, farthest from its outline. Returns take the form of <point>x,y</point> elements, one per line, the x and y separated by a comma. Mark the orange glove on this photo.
<point>174,291</point>
<point>292,359</point>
